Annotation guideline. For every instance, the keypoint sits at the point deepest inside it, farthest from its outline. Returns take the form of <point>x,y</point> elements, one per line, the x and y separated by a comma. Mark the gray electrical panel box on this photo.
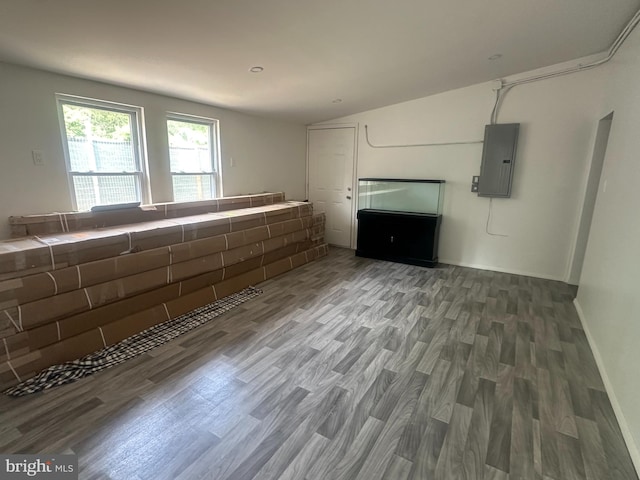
<point>498,158</point>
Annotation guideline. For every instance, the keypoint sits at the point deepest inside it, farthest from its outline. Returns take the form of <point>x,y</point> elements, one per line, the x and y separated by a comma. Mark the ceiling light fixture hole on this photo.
<point>256,69</point>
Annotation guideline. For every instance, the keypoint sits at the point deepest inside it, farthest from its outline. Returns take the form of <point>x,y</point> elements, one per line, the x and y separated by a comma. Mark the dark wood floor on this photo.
<point>354,369</point>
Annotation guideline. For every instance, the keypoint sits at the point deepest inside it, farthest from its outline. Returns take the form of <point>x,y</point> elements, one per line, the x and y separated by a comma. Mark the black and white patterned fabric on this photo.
<point>130,347</point>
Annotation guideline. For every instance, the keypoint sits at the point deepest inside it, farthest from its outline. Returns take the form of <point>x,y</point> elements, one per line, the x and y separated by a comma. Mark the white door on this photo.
<point>331,153</point>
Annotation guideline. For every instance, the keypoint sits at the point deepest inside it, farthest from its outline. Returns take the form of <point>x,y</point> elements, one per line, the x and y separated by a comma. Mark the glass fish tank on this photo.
<point>401,195</point>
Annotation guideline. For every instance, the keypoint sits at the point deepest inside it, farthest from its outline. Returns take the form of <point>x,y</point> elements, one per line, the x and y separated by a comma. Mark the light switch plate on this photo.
<point>38,157</point>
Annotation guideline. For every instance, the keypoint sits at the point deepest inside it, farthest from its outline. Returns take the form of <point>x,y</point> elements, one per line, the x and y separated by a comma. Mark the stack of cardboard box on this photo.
<point>48,223</point>
<point>66,295</point>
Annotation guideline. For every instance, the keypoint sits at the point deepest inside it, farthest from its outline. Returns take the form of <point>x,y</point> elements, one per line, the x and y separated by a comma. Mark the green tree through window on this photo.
<point>82,122</point>
<point>103,152</point>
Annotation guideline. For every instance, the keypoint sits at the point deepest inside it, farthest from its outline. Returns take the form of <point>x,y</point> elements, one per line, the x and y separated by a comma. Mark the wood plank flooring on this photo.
<point>349,368</point>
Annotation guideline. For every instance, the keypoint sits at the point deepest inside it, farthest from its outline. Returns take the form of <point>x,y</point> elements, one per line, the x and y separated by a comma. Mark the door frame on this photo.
<point>354,176</point>
<point>579,234</point>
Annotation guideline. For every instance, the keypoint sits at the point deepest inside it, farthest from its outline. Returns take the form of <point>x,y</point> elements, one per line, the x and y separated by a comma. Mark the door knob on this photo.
<point>348,197</point>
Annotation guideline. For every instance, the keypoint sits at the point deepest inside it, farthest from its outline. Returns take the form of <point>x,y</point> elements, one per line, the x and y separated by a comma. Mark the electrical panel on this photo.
<point>498,158</point>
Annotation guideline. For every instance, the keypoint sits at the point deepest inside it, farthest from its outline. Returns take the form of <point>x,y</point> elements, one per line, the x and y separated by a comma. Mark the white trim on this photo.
<point>65,150</point>
<point>617,410</point>
<point>214,149</point>
<point>306,167</point>
<point>558,278</point>
<point>138,136</point>
<point>217,161</point>
<point>355,191</point>
<point>145,181</point>
<point>187,117</point>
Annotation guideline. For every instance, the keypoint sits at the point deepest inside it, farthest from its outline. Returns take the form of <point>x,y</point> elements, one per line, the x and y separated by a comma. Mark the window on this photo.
<point>103,152</point>
<point>193,153</point>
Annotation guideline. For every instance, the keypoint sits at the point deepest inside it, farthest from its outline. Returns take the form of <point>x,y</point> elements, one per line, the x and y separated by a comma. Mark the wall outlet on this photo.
<point>475,180</point>
<point>38,157</point>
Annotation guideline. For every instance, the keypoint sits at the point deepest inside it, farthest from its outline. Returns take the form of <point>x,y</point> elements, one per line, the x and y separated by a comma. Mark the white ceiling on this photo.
<point>369,53</point>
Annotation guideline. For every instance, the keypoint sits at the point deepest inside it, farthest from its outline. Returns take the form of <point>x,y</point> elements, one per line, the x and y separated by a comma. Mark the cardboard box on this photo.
<point>42,336</point>
<point>25,254</point>
<point>52,308</point>
<point>126,296</point>
<point>16,370</point>
<point>105,219</point>
<point>261,251</point>
<point>117,331</point>
<point>82,247</point>
<point>39,337</point>
<point>18,291</point>
<point>200,248</point>
<point>185,303</point>
<point>34,287</point>
<point>201,281</point>
<point>18,231</point>
<point>150,235</point>
<point>52,223</point>
<point>125,287</point>
<point>276,255</point>
<point>14,346</point>
<point>203,226</point>
<point>82,322</point>
<point>240,254</point>
<point>101,271</point>
<point>29,256</point>
<point>196,266</point>
<point>25,366</point>
<point>242,268</point>
<point>21,368</point>
<point>36,313</point>
<point>278,267</point>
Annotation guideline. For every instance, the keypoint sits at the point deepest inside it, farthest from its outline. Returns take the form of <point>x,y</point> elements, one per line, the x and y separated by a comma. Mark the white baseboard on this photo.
<point>626,433</point>
<point>502,270</point>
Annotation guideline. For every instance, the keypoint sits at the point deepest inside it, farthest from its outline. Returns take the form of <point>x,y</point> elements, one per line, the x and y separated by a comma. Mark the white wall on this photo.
<point>269,155</point>
<point>558,118</point>
<point>609,293</point>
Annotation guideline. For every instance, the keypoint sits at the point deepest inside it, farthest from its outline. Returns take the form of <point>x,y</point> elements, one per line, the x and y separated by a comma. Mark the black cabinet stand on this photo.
<point>402,237</point>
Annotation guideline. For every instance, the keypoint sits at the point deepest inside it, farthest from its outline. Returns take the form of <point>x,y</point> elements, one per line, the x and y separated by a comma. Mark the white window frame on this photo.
<point>143,185</point>
<point>214,142</point>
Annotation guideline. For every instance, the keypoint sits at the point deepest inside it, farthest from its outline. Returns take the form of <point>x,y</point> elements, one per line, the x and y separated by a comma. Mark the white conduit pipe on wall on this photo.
<point>506,86</point>
<point>615,46</point>
<point>366,134</point>
<point>626,31</point>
